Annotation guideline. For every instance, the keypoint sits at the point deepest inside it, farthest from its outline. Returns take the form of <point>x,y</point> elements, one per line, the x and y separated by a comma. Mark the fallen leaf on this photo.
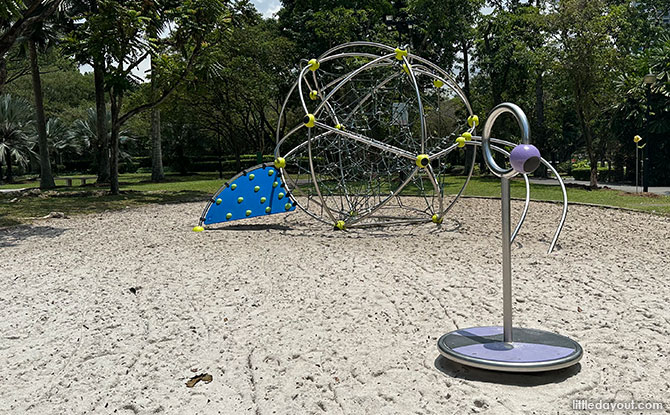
<point>205,377</point>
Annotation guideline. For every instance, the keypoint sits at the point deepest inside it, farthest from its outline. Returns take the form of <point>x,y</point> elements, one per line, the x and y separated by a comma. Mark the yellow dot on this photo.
<point>257,188</point>
<point>280,196</point>
<point>251,176</point>
<point>218,201</point>
<point>275,184</point>
<point>287,206</point>
<point>248,212</point>
<point>271,172</point>
<point>263,200</point>
<point>240,199</point>
<point>229,215</point>
<point>268,209</point>
<point>233,186</point>
<point>198,229</point>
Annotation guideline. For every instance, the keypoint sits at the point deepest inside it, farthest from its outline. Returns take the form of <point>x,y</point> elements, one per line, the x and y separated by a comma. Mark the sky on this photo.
<point>267,7</point>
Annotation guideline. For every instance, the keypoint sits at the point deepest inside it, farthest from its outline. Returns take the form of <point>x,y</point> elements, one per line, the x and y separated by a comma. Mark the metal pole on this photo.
<point>637,167</point>
<point>507,261</point>
<point>645,151</point>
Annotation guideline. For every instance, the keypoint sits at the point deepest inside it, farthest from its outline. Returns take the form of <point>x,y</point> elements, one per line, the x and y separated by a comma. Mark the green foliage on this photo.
<point>584,173</point>
<point>220,72</point>
<point>16,120</point>
<point>315,26</point>
<point>67,92</point>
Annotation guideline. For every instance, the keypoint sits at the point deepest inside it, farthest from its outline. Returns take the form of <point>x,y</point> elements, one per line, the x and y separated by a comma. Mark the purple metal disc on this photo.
<point>531,350</point>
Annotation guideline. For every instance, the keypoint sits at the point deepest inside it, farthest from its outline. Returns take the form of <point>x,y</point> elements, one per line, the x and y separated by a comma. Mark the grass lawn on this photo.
<point>137,189</point>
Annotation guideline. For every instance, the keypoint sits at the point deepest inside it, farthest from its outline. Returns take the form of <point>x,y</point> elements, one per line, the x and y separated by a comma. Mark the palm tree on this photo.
<point>15,122</point>
<point>62,140</point>
<point>85,132</point>
<point>40,36</point>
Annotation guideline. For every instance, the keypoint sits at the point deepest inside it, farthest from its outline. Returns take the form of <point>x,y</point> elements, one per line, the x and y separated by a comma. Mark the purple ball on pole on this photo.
<point>525,158</point>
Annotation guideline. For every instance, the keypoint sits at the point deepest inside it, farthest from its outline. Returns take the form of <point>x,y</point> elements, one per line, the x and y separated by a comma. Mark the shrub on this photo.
<point>604,175</point>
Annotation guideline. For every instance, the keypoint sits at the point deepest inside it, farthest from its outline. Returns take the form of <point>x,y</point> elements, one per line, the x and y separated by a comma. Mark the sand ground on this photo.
<point>290,317</point>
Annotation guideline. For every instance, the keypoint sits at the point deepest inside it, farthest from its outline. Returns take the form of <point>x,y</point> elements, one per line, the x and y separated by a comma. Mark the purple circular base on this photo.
<point>530,351</point>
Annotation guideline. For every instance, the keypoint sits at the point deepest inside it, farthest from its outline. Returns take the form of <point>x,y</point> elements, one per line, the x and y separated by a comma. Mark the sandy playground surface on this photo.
<point>113,313</point>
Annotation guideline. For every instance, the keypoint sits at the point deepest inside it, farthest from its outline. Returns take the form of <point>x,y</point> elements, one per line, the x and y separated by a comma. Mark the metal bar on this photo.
<point>507,260</point>
<point>390,197</point>
<point>637,166</point>
<point>354,44</point>
<point>564,214</point>
<point>315,181</point>
<point>345,80</point>
<point>369,141</point>
<point>565,205</point>
<point>422,118</point>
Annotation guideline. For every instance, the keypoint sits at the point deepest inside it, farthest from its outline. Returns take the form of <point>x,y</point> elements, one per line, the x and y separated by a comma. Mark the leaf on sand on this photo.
<point>205,377</point>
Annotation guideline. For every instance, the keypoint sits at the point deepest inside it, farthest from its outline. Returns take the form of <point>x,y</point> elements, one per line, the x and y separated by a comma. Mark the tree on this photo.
<point>15,17</point>
<point>237,94</point>
<point>119,28</point>
<point>446,32</point>
<point>316,25</point>
<point>587,62</point>
<point>40,36</point>
<point>62,140</point>
<point>15,122</point>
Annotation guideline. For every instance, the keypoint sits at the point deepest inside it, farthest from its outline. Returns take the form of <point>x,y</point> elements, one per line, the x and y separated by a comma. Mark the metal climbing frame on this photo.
<point>369,113</point>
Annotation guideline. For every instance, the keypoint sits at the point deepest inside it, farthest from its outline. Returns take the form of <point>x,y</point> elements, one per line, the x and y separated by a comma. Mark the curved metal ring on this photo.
<point>486,136</point>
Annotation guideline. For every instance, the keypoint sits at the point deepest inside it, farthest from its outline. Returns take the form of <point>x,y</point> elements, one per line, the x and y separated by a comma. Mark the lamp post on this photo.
<point>638,147</point>
<point>649,80</point>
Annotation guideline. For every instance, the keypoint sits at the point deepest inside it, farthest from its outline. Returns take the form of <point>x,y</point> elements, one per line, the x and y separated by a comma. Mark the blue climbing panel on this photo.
<point>258,191</point>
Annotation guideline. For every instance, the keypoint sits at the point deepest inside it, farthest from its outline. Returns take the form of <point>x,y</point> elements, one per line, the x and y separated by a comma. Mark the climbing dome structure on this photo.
<point>364,128</point>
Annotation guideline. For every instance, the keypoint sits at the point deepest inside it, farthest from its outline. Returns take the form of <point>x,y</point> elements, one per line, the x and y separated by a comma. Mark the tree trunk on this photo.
<point>101,117</point>
<point>157,173</point>
<point>466,68</point>
<point>238,159</point>
<point>588,137</point>
<point>593,161</point>
<point>114,143</point>
<point>219,149</point>
<point>10,174</point>
<point>3,73</point>
<point>539,134</point>
<point>46,177</point>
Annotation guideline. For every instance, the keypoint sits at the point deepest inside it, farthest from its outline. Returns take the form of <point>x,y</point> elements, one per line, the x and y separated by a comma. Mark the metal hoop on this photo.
<point>486,136</point>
